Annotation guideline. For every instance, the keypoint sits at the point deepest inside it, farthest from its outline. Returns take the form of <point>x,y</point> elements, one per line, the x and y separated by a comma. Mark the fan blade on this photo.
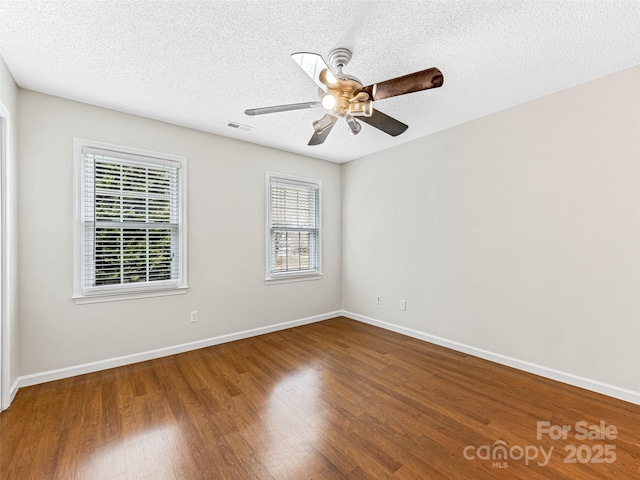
<point>281,108</point>
<point>414,82</point>
<point>312,64</point>
<point>385,123</point>
<point>319,138</point>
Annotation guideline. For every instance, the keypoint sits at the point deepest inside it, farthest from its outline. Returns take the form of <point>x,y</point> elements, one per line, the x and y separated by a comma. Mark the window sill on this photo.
<point>116,297</point>
<point>293,278</point>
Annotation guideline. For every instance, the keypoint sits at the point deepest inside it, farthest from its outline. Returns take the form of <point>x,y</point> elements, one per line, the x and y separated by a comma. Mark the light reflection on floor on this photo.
<point>290,423</point>
<point>149,454</point>
<point>293,402</point>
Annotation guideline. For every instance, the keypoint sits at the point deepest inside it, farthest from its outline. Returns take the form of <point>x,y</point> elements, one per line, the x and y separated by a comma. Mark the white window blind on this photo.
<point>294,227</point>
<point>131,222</point>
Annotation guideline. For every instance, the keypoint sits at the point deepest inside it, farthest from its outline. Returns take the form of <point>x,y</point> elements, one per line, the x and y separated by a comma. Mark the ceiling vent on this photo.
<point>239,126</point>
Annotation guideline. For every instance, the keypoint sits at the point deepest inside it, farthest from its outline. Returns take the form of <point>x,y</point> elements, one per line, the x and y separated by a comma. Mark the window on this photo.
<point>130,223</point>
<point>293,229</point>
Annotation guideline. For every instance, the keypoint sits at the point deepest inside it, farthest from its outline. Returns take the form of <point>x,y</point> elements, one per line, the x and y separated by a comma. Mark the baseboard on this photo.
<point>568,378</point>
<point>48,376</point>
<point>14,389</point>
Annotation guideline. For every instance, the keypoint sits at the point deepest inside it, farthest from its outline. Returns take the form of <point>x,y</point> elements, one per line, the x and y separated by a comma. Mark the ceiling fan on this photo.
<point>344,96</point>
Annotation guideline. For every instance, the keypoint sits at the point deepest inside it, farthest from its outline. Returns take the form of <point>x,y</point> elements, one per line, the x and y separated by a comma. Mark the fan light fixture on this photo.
<point>325,122</point>
<point>328,101</point>
<point>352,123</point>
<point>327,78</point>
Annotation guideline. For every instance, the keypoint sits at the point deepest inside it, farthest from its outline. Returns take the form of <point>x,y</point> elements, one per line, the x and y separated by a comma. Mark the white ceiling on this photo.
<point>201,64</point>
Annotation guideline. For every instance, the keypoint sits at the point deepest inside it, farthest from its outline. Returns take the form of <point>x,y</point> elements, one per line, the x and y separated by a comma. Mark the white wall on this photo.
<point>9,98</point>
<point>226,214</point>
<point>518,233</point>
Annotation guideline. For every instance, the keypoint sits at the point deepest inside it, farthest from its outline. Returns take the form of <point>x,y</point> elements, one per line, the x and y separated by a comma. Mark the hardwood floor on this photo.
<point>331,400</point>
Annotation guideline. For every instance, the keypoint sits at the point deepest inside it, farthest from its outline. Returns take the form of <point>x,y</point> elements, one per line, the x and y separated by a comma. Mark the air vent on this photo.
<point>239,126</point>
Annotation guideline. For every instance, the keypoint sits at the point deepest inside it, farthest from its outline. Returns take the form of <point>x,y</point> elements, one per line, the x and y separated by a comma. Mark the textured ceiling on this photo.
<point>201,64</point>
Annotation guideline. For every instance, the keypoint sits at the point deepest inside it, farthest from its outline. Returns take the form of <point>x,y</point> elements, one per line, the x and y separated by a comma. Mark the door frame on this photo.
<point>5,333</point>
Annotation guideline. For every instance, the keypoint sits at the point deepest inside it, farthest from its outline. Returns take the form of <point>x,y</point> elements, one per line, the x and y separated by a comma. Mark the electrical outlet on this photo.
<point>403,304</point>
<point>194,316</point>
<point>378,300</point>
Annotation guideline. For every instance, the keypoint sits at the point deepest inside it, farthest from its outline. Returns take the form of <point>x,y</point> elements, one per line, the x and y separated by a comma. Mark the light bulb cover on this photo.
<point>352,123</point>
<point>329,101</point>
<point>327,78</point>
<point>361,109</point>
<point>325,122</point>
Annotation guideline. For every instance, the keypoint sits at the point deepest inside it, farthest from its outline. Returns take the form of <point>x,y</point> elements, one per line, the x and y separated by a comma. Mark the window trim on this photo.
<point>286,277</point>
<point>133,291</point>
